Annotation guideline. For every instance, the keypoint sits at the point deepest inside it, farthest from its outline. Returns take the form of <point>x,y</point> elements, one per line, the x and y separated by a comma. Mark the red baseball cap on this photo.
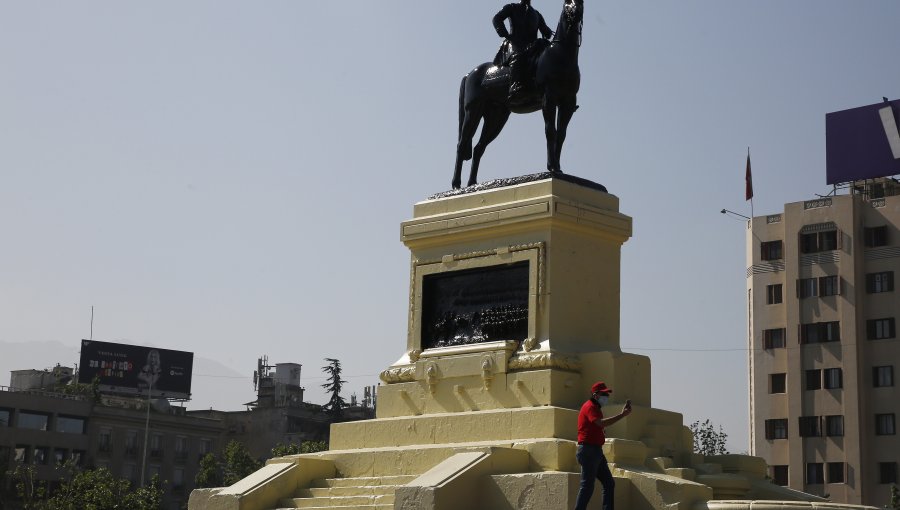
<point>600,387</point>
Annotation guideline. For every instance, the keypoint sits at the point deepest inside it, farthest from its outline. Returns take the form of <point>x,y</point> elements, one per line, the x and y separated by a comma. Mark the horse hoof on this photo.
<point>471,183</point>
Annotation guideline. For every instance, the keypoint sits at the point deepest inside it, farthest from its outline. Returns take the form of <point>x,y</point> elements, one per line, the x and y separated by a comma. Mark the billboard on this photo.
<point>862,143</point>
<point>132,369</point>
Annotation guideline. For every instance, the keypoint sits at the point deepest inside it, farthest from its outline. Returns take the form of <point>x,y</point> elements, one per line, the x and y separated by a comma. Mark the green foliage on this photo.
<point>336,403</point>
<point>238,463</point>
<point>91,489</point>
<point>707,440</point>
<point>232,465</point>
<point>29,490</point>
<point>209,474</point>
<point>281,450</point>
<point>895,498</point>
<point>91,390</point>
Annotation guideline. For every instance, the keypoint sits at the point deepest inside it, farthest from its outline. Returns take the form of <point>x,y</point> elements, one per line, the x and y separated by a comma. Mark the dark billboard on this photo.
<point>862,143</point>
<point>131,369</point>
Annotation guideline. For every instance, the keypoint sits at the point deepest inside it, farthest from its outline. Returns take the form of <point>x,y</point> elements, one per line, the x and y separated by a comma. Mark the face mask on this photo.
<point>602,400</point>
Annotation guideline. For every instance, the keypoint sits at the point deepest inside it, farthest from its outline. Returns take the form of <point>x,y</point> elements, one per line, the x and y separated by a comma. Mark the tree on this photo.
<point>336,403</point>
<point>91,390</point>
<point>234,464</point>
<point>238,463</point>
<point>895,498</point>
<point>96,489</point>
<point>281,450</point>
<point>209,474</point>
<point>707,440</point>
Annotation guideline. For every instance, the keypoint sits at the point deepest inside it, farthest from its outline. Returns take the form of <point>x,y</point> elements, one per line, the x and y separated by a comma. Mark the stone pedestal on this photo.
<point>478,411</point>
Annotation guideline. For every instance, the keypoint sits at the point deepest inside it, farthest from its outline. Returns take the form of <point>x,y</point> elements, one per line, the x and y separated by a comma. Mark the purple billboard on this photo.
<point>132,369</point>
<point>862,143</point>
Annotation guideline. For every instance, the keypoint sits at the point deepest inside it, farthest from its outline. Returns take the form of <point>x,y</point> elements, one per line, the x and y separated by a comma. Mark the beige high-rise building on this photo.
<point>824,353</point>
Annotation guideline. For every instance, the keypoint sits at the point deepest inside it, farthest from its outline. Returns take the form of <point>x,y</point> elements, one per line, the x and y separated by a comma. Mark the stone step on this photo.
<point>334,492</point>
<point>340,502</point>
<point>363,481</point>
<point>355,507</point>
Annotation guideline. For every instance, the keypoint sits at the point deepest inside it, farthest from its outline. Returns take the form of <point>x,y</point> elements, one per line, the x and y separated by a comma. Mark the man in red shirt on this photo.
<point>591,437</point>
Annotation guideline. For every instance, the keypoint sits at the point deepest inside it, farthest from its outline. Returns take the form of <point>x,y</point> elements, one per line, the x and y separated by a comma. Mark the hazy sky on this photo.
<point>228,177</point>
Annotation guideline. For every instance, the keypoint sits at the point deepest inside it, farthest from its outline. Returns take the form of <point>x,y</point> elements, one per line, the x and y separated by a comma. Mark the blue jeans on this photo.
<point>594,466</point>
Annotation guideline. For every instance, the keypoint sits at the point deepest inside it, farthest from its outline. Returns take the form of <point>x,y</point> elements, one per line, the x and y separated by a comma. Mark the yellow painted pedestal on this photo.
<point>493,425</point>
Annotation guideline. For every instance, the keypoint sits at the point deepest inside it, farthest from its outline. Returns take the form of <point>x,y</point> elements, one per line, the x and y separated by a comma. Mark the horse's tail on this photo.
<point>462,105</point>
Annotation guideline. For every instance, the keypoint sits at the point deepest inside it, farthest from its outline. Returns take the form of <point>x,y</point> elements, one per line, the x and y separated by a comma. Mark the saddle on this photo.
<point>527,98</point>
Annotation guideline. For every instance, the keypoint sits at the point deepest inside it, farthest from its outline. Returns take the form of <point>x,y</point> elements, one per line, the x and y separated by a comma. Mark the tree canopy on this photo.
<point>707,440</point>
<point>336,403</point>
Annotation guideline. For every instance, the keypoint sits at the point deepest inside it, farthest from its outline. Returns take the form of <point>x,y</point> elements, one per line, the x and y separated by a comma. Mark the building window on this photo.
<point>813,379</point>
<point>810,426</point>
<point>807,287</point>
<point>70,424</point>
<point>104,441</point>
<point>884,424</point>
<point>59,456</point>
<point>835,472</point>
<point>41,455</point>
<point>204,448</point>
<point>77,457</point>
<point>829,285</point>
<point>131,443</point>
<point>876,236</point>
<point>777,383</point>
<point>773,338</point>
<point>771,250</point>
<point>130,473</point>
<point>773,294</point>
<point>21,456</point>
<point>780,475</point>
<point>819,241</point>
<point>32,421</point>
<point>833,378</point>
<point>820,332</point>
<point>5,415</point>
<point>815,473</point>
<point>834,426</point>
<point>887,472</point>
<point>883,376</point>
<point>178,479</point>
<point>879,329</point>
<point>181,448</point>
<point>880,282</point>
<point>776,429</point>
<point>156,446</point>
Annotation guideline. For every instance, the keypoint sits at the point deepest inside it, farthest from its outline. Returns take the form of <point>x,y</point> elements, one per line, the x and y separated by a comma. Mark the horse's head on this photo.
<point>570,22</point>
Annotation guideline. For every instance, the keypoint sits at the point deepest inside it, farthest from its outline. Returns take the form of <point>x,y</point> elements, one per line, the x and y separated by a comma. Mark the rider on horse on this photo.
<point>524,23</point>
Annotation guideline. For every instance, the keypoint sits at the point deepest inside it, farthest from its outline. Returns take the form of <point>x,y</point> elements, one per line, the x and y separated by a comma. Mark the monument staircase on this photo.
<point>481,413</point>
<point>361,493</point>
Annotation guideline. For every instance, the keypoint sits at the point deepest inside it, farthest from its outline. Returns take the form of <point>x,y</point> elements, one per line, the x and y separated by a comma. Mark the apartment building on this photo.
<point>822,308</point>
<point>45,429</point>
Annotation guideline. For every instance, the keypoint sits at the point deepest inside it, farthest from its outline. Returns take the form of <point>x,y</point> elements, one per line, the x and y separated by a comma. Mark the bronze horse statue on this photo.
<point>484,94</point>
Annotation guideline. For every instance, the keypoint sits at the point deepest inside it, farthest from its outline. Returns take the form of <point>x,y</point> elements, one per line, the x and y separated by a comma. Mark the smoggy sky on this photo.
<point>228,178</point>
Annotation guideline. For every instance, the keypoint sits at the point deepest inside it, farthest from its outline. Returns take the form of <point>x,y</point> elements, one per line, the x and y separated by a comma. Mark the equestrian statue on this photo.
<point>528,74</point>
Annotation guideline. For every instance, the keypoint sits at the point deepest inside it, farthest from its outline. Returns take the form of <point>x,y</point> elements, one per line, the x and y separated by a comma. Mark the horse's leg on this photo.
<point>494,120</point>
<point>549,110</point>
<point>567,108</point>
<point>464,146</point>
<point>457,169</point>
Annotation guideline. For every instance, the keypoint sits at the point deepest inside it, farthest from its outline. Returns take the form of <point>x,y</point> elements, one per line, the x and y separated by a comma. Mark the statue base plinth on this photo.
<point>480,410</point>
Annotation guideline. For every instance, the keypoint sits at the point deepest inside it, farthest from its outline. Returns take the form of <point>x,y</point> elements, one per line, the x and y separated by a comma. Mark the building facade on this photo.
<point>45,429</point>
<point>823,346</point>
